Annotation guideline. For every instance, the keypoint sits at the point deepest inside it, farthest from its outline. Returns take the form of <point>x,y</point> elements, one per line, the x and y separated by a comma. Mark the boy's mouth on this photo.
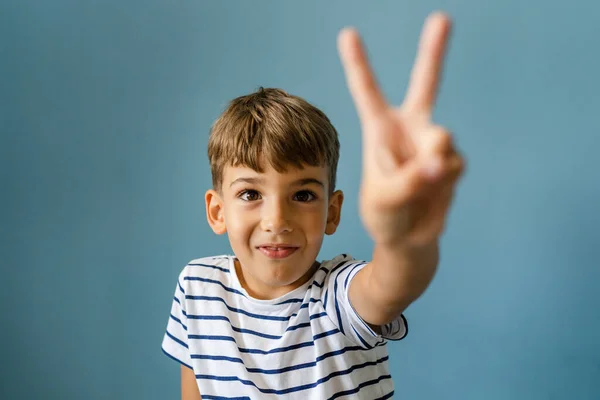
<point>277,251</point>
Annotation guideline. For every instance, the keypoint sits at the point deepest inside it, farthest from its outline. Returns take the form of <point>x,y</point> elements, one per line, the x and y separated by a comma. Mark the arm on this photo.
<point>410,169</point>
<point>395,278</point>
<point>189,386</point>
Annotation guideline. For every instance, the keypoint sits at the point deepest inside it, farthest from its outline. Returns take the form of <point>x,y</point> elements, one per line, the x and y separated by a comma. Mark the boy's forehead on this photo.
<point>234,174</point>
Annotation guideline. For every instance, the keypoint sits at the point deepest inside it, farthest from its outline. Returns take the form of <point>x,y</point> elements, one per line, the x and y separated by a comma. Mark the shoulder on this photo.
<point>345,257</point>
<point>209,264</point>
<point>205,268</point>
<point>338,268</point>
<point>339,263</point>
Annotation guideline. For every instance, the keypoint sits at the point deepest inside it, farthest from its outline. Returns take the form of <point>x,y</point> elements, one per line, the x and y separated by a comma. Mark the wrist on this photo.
<point>404,269</point>
<point>409,249</point>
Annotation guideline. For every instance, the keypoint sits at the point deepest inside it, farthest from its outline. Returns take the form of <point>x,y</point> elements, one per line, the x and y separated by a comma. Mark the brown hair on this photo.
<point>273,126</point>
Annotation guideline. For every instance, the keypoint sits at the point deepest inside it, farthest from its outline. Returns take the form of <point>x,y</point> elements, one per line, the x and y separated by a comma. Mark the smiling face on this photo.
<point>275,223</point>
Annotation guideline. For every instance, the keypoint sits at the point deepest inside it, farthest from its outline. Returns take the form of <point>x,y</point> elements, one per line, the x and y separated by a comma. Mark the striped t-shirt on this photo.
<point>306,344</point>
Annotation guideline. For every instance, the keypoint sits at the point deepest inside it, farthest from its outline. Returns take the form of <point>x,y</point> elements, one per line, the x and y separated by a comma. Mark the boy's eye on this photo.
<point>305,196</point>
<point>249,195</point>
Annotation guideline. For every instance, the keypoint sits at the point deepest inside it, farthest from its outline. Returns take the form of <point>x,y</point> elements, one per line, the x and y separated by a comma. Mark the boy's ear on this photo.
<point>215,212</point>
<point>334,212</point>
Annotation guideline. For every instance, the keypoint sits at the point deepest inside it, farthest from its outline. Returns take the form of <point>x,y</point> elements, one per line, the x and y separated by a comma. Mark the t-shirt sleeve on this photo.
<point>343,269</point>
<point>175,340</point>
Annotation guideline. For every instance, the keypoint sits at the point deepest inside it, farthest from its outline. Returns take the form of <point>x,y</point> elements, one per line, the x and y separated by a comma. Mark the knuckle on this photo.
<point>442,139</point>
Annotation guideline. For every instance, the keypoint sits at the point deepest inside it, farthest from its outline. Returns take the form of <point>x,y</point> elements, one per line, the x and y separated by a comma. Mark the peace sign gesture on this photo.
<point>410,167</point>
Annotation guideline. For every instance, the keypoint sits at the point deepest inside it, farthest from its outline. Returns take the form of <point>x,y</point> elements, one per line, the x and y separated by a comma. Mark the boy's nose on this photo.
<point>276,219</point>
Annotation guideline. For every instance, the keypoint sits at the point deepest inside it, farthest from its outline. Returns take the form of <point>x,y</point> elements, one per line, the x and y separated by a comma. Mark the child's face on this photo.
<point>289,211</point>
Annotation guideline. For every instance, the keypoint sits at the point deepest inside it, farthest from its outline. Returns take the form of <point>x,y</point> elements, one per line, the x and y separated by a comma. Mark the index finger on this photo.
<point>360,78</point>
<point>426,72</point>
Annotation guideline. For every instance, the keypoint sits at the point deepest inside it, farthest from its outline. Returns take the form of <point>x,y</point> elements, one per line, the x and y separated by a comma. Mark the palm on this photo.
<point>409,165</point>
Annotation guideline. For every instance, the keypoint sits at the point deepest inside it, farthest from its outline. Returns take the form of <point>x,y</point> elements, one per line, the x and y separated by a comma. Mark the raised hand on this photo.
<point>410,166</point>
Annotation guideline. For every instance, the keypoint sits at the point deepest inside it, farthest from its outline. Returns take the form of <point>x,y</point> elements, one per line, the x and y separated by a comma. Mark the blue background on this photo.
<point>105,109</point>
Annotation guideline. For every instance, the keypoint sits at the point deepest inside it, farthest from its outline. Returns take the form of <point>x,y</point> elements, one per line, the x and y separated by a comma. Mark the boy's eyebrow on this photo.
<point>299,182</point>
<point>306,181</point>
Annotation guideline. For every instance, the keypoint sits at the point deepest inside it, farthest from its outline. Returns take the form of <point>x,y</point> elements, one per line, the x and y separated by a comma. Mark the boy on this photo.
<point>272,322</point>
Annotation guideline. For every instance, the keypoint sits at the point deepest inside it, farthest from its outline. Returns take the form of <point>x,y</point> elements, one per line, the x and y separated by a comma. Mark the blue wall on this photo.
<point>105,109</point>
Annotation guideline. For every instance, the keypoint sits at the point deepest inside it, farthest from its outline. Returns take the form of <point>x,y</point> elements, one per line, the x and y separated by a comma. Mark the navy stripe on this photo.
<point>338,352</point>
<point>405,326</point>
<point>177,340</point>
<point>176,299</point>
<point>196,278</point>
<point>178,320</point>
<point>325,272</point>
<point>302,325</point>
<point>337,306</point>
<point>235,328</point>
<point>180,288</point>
<point>305,305</point>
<point>176,359</point>
<point>279,370</point>
<point>315,316</point>
<point>277,350</point>
<point>325,334</point>
<point>238,310</point>
<point>362,385</point>
<point>302,387</point>
<point>290,301</point>
<point>213,337</point>
<point>339,265</point>
<point>217,358</point>
<point>363,322</point>
<point>348,276</point>
<point>209,266</point>
<point>299,300</point>
<point>211,397</point>
<point>363,341</point>
<point>255,333</point>
<point>232,290</point>
<point>325,302</point>
<point>305,324</point>
<point>264,352</point>
<point>335,293</point>
<point>387,396</point>
<point>252,332</point>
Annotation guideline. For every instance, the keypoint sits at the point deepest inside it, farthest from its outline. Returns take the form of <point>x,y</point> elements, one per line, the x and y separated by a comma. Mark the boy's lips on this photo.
<point>277,250</point>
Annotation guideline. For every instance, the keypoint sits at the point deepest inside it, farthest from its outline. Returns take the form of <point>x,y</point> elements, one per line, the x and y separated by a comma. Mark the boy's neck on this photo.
<point>265,292</point>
